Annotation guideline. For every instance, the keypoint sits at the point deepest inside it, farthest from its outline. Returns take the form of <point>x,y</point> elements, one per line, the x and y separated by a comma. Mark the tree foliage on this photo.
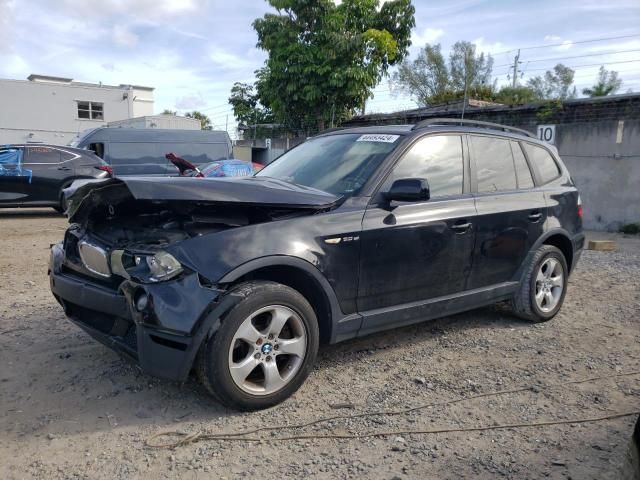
<point>430,79</point>
<point>608,83</point>
<point>205,122</point>
<point>246,107</point>
<point>324,58</point>
<point>166,111</point>
<point>555,84</point>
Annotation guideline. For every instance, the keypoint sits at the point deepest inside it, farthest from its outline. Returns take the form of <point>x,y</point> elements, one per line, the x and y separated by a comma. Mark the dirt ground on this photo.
<point>71,408</point>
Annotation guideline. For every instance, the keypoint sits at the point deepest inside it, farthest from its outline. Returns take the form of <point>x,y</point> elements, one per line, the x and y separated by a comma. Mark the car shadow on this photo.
<point>71,384</point>
<point>29,212</point>
<point>495,316</point>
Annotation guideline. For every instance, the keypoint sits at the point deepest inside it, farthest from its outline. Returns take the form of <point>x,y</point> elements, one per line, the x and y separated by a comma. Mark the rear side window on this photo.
<point>494,164</point>
<point>436,158</point>
<point>547,167</point>
<point>523,174</point>
<point>42,155</point>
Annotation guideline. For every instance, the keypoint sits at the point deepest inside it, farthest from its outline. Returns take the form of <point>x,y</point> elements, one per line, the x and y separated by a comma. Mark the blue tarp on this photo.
<point>227,168</point>
<point>11,163</point>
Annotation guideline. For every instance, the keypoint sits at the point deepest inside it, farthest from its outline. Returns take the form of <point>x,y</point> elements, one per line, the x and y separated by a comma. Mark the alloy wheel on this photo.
<point>549,284</point>
<point>267,350</point>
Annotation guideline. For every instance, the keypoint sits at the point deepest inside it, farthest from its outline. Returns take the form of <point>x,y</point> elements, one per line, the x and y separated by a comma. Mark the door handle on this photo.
<point>535,216</point>
<point>461,227</point>
<point>66,169</point>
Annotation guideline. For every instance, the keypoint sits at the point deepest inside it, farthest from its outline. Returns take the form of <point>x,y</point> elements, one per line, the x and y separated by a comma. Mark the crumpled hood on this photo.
<point>264,191</point>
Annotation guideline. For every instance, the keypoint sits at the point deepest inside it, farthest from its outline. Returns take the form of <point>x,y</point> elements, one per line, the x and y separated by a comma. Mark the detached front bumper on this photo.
<point>163,337</point>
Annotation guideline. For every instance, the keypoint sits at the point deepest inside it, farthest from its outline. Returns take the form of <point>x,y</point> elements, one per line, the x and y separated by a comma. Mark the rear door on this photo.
<point>49,173</point>
<point>511,210</point>
<point>15,178</point>
<point>414,252</point>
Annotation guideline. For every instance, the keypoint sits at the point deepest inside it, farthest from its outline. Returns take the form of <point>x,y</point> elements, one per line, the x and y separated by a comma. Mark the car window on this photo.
<point>132,153</point>
<point>436,158</point>
<point>196,153</point>
<point>547,167</point>
<point>494,164</point>
<point>42,155</point>
<point>523,174</point>
<point>340,164</point>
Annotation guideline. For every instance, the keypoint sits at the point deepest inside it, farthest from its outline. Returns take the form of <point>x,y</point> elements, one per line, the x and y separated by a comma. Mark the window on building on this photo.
<point>543,161</point>
<point>494,164</point>
<point>436,158</point>
<point>91,110</point>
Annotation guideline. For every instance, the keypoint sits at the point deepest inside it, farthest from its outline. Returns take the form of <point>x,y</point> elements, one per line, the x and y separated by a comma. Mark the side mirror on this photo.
<point>409,190</point>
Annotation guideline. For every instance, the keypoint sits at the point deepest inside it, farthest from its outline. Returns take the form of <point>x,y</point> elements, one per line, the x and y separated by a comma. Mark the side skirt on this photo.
<point>415,312</point>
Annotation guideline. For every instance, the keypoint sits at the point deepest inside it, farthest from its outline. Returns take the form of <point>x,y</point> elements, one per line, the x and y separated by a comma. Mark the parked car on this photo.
<point>352,232</point>
<point>35,175</point>
<point>139,151</point>
<point>221,168</point>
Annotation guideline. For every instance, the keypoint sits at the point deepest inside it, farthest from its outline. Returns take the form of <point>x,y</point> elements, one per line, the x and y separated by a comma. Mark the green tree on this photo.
<point>555,84</point>
<point>166,111</point>
<point>608,83</point>
<point>429,79</point>
<point>205,122</point>
<point>516,95</point>
<point>246,107</point>
<point>468,69</point>
<point>324,59</point>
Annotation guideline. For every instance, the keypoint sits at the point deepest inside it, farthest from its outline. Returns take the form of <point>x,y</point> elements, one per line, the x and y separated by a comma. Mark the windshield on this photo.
<point>339,164</point>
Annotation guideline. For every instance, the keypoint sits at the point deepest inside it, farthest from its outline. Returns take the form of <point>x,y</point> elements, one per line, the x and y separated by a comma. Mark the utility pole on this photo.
<point>516,61</point>
<point>226,124</point>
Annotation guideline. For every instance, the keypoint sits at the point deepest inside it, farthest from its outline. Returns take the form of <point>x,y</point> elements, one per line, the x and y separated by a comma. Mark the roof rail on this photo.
<point>456,121</point>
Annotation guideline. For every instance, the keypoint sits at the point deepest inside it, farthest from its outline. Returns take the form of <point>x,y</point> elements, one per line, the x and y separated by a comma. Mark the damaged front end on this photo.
<point>124,273</point>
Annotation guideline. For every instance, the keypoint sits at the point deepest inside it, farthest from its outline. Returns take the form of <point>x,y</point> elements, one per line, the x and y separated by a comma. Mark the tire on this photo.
<point>539,279</point>
<point>243,345</point>
<point>63,204</point>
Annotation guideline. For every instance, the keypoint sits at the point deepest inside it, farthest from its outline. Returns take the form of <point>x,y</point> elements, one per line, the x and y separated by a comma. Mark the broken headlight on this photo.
<point>147,268</point>
<point>163,266</point>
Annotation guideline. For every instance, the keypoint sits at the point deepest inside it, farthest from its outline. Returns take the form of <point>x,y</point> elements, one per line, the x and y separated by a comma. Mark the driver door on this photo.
<point>413,254</point>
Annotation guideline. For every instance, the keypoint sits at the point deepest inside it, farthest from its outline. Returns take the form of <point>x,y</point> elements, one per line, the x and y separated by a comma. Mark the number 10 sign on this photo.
<point>547,133</point>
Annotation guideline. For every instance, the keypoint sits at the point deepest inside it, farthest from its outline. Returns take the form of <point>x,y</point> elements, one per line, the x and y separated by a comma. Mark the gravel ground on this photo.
<point>71,408</point>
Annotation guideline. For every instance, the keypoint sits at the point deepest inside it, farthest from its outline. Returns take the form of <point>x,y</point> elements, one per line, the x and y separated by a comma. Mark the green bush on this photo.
<point>631,228</point>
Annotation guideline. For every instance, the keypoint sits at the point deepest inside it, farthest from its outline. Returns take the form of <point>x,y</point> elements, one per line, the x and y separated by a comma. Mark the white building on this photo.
<point>44,109</point>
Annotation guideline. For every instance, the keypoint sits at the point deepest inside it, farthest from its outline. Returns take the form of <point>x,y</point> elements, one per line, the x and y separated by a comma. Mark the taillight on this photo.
<point>579,207</point>
<point>105,168</point>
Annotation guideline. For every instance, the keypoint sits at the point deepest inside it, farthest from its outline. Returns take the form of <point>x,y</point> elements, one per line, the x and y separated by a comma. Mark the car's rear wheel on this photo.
<point>264,349</point>
<point>63,203</point>
<point>543,286</point>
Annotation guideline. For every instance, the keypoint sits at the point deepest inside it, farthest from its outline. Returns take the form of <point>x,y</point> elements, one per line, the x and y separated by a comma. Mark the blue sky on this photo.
<point>192,51</point>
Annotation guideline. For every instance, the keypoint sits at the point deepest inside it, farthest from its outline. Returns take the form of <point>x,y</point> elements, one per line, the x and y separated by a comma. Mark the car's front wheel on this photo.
<point>543,286</point>
<point>264,349</point>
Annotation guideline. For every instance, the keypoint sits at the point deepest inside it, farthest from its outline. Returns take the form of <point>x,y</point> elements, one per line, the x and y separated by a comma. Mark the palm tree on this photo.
<point>607,84</point>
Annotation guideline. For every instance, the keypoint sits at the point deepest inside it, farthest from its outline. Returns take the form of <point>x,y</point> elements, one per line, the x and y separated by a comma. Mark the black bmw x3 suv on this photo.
<point>352,232</point>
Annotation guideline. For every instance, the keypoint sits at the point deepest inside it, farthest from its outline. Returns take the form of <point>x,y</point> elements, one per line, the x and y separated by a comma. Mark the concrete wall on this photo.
<point>605,168</point>
<point>607,173</point>
<point>47,111</point>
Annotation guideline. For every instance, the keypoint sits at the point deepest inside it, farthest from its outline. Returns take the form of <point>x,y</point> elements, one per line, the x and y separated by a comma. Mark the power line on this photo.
<point>586,65</point>
<point>568,58</point>
<point>591,40</point>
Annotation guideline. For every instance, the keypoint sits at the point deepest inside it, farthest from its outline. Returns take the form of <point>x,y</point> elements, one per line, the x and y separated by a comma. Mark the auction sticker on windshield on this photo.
<point>376,137</point>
